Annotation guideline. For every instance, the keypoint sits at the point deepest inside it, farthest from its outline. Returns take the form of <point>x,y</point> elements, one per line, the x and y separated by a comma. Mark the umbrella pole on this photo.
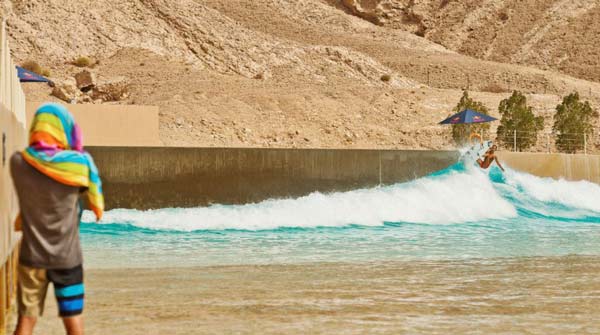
<point>469,132</point>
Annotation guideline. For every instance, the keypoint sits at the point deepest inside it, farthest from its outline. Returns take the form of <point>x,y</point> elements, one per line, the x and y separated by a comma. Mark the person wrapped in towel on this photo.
<point>50,176</point>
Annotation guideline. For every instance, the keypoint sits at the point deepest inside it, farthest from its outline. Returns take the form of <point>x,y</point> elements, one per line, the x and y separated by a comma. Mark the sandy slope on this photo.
<point>272,72</point>
<point>550,34</point>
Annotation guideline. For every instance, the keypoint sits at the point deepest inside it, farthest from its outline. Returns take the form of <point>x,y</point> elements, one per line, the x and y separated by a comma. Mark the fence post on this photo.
<point>515,141</point>
<point>548,142</point>
<point>585,143</point>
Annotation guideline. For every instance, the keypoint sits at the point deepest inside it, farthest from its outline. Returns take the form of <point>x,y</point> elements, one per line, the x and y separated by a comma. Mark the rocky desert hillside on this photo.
<point>562,35</point>
<point>300,73</point>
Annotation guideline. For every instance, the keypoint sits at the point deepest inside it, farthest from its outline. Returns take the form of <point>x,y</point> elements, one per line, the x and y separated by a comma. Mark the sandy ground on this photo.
<point>503,296</point>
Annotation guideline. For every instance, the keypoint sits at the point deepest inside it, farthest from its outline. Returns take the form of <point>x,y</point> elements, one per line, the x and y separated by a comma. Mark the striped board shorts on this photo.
<point>33,286</point>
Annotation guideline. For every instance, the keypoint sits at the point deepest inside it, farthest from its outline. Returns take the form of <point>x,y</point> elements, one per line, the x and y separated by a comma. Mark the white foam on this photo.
<point>451,198</point>
<point>581,195</point>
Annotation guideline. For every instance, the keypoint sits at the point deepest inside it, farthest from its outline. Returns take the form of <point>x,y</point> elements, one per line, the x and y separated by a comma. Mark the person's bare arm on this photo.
<point>498,162</point>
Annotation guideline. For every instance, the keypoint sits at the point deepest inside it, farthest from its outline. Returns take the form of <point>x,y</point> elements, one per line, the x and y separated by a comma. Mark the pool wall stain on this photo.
<point>158,177</point>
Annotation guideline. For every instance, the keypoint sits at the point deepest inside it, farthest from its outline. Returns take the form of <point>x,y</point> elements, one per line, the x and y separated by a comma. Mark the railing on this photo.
<point>12,126</point>
<point>547,141</point>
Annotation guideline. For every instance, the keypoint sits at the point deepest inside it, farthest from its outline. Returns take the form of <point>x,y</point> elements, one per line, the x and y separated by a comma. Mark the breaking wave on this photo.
<point>455,195</point>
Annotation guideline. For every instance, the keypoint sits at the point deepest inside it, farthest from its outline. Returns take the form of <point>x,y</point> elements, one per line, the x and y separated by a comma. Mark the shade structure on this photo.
<point>468,116</point>
<point>28,76</point>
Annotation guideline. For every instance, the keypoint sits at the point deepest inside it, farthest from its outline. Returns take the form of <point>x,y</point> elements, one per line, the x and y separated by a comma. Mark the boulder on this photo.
<point>85,80</point>
<point>112,90</point>
<point>66,92</point>
<point>60,93</point>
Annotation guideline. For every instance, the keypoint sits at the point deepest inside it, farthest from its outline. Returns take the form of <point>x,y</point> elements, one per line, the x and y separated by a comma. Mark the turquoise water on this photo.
<point>456,213</point>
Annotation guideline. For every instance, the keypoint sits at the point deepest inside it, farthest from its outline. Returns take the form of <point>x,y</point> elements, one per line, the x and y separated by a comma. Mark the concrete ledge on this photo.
<point>145,178</point>
<point>565,166</point>
<point>112,125</point>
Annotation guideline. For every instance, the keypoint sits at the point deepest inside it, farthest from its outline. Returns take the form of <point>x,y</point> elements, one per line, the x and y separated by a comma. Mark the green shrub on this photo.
<point>46,72</point>
<point>82,62</point>
<point>461,132</point>
<point>33,66</point>
<point>573,120</point>
<point>517,115</point>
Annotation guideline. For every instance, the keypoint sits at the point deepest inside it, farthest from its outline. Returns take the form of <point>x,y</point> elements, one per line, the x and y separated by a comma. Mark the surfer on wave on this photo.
<point>489,157</point>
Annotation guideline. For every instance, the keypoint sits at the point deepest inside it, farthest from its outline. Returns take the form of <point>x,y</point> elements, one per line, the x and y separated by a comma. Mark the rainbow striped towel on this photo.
<point>56,150</point>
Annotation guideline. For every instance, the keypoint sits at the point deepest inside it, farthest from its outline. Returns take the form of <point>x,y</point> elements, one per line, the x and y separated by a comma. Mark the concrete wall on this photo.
<point>113,125</point>
<point>569,167</point>
<point>12,138</point>
<point>185,177</point>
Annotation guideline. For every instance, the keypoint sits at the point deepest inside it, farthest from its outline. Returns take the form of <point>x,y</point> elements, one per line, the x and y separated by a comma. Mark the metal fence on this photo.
<point>542,141</point>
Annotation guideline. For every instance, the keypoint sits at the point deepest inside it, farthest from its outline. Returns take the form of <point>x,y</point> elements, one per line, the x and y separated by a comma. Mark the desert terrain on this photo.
<point>313,73</point>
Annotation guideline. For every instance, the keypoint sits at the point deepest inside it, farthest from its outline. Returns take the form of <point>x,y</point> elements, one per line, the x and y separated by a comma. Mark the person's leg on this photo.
<point>74,325</point>
<point>69,291</point>
<point>25,325</point>
<point>31,295</point>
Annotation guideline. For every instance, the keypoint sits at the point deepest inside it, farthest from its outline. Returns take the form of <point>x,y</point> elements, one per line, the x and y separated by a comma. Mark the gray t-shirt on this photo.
<point>50,213</point>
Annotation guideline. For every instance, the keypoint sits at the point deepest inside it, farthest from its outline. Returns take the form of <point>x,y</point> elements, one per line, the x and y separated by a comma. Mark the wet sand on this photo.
<point>502,296</point>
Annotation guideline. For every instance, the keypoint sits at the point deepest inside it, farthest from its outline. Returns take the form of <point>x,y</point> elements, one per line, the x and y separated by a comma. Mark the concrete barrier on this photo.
<point>13,139</point>
<point>154,177</point>
<point>12,132</point>
<point>113,125</point>
<point>145,178</point>
<point>565,166</point>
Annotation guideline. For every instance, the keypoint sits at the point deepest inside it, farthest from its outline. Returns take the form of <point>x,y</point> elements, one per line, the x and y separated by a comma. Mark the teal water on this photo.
<point>456,213</point>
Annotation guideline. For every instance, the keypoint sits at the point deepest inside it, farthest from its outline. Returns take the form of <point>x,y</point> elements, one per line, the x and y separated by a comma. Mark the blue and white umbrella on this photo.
<point>28,76</point>
<point>468,116</point>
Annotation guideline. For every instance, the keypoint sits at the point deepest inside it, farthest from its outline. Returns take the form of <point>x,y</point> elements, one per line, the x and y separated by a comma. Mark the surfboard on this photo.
<point>477,151</point>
